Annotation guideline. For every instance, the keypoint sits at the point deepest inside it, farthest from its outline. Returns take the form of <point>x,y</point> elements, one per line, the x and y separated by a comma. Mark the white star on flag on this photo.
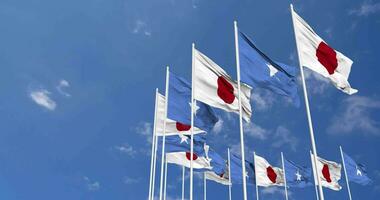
<point>196,107</point>
<point>358,172</point>
<point>272,70</point>
<point>183,138</point>
<point>298,175</point>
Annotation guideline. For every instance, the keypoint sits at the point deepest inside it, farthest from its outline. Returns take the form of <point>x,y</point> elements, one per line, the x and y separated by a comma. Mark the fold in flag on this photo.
<point>297,176</point>
<point>266,174</point>
<point>258,70</point>
<point>355,172</point>
<point>318,56</point>
<point>216,88</point>
<point>172,127</point>
<point>221,179</point>
<point>179,105</point>
<point>329,173</point>
<point>236,170</point>
<point>183,159</point>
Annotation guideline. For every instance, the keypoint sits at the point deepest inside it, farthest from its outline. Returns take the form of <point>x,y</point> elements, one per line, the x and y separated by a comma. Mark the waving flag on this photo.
<point>216,88</point>
<point>222,179</point>
<point>266,174</point>
<point>297,176</point>
<point>356,172</point>
<point>318,56</point>
<point>181,143</point>
<point>236,170</point>
<point>179,105</point>
<point>329,172</point>
<point>172,127</point>
<point>183,159</point>
<point>258,70</point>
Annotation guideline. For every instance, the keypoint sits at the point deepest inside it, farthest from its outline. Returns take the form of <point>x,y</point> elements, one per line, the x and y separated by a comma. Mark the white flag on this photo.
<point>329,173</point>
<point>266,174</point>
<point>318,56</point>
<point>213,86</point>
<point>172,127</point>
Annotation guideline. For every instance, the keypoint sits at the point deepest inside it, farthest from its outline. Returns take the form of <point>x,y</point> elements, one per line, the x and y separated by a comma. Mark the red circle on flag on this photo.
<point>271,174</point>
<point>182,127</point>
<point>195,157</point>
<point>326,173</point>
<point>225,90</point>
<point>327,57</point>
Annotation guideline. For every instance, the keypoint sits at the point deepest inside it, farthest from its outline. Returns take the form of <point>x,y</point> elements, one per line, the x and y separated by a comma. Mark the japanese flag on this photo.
<point>317,55</point>
<point>172,127</point>
<point>329,173</point>
<point>213,86</point>
<point>266,174</point>
<point>183,159</point>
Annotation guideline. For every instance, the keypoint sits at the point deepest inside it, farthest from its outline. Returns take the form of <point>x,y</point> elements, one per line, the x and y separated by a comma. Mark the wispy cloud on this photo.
<point>275,190</point>
<point>130,180</point>
<point>256,131</point>
<point>283,136</point>
<point>42,98</point>
<point>126,149</point>
<point>91,185</point>
<point>140,27</point>
<point>218,126</point>
<point>145,129</point>
<point>262,99</point>
<point>355,114</point>
<point>365,9</point>
<point>61,86</point>
<point>316,83</point>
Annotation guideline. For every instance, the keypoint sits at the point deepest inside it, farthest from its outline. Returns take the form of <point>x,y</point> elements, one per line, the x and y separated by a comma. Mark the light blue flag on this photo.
<point>297,176</point>
<point>258,70</point>
<point>236,171</point>
<point>356,172</point>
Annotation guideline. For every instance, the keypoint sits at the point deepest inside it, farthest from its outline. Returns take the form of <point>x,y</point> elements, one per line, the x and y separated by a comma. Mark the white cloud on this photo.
<point>126,149</point>
<point>141,27</point>
<point>355,114</point>
<point>365,9</point>
<point>146,130</point>
<point>274,190</point>
<point>283,136</point>
<point>218,126</point>
<point>41,97</point>
<point>130,180</point>
<point>91,185</point>
<point>60,87</point>
<point>255,131</point>
<point>262,99</point>
<point>328,32</point>
<point>315,83</point>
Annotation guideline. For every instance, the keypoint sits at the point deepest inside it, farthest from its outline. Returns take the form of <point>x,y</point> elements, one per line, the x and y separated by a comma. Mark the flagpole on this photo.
<point>192,121</point>
<point>204,186</point>
<point>314,148</point>
<point>257,187</point>
<point>164,130</point>
<point>153,143</point>
<point>315,181</point>
<point>240,112</point>
<point>283,168</point>
<point>183,182</point>
<point>345,172</point>
<point>229,175</point>
<point>166,177</point>
<point>154,166</point>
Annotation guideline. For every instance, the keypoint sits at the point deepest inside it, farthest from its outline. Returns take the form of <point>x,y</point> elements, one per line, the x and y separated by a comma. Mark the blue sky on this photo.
<point>77,88</point>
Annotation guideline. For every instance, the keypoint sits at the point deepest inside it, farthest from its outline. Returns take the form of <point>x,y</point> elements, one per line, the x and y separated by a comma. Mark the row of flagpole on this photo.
<point>162,191</point>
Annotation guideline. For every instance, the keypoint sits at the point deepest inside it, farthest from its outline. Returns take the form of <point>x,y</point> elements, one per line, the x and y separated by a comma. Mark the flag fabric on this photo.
<point>297,176</point>
<point>172,127</point>
<point>266,174</point>
<point>258,70</point>
<point>222,179</point>
<point>181,143</point>
<point>183,159</point>
<point>236,170</point>
<point>179,105</point>
<point>329,173</point>
<point>318,56</point>
<point>356,172</point>
<point>216,88</point>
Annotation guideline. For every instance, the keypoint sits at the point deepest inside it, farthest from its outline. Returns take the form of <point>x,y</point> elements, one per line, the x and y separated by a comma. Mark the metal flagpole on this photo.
<point>183,182</point>
<point>240,113</point>
<point>257,187</point>
<point>166,177</point>
<point>229,175</point>
<point>164,130</point>
<point>192,121</point>
<point>154,165</point>
<point>204,186</point>
<point>345,173</point>
<point>314,148</point>
<point>283,168</point>
<point>153,147</point>
<point>315,181</point>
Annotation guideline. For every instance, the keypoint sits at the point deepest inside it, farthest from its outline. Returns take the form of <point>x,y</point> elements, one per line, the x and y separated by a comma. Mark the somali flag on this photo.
<point>258,70</point>
<point>179,105</point>
<point>297,176</point>
<point>356,172</point>
<point>236,170</point>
